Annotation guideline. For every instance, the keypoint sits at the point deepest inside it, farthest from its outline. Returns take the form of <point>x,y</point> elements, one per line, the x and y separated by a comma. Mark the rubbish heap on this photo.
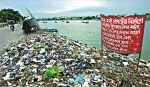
<point>51,60</point>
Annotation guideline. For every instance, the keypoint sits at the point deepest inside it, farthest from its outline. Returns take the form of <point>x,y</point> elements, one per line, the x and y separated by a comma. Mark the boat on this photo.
<point>55,21</point>
<point>44,22</point>
<point>30,25</point>
<point>50,30</point>
<point>85,22</point>
<point>67,21</point>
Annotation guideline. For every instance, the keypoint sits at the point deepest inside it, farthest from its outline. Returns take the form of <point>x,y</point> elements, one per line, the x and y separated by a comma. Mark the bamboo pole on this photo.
<point>102,47</point>
<point>138,62</point>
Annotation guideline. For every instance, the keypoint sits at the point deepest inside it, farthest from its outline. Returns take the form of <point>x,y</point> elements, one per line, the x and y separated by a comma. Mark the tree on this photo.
<point>10,14</point>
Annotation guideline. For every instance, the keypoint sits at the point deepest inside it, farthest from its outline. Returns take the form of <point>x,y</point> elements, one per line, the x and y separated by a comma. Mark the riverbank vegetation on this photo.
<point>71,18</point>
<point>10,14</point>
<point>97,17</point>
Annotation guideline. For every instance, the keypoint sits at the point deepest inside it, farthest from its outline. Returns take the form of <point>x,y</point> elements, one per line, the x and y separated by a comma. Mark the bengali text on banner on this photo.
<point>122,34</point>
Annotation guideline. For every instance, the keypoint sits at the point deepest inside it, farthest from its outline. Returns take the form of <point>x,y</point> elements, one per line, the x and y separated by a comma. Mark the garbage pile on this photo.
<point>54,61</point>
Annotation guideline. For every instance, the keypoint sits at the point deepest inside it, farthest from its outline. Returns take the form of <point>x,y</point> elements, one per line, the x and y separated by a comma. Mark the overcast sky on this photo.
<point>51,8</point>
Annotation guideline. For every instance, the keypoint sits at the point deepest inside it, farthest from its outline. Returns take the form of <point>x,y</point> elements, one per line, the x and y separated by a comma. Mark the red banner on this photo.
<point>122,34</point>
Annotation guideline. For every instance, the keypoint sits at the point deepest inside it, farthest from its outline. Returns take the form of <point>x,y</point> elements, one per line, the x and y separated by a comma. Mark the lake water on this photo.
<point>90,33</point>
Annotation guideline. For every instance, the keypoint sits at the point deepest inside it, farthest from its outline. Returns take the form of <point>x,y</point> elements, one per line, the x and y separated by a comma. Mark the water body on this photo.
<point>90,33</point>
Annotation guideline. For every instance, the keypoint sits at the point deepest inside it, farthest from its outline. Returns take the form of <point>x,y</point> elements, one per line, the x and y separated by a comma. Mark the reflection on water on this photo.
<point>89,33</point>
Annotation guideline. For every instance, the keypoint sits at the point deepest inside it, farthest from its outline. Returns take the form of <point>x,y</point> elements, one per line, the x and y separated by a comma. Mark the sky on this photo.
<point>56,8</point>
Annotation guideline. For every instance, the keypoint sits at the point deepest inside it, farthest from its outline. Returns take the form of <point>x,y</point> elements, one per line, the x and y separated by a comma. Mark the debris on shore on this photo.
<point>51,60</point>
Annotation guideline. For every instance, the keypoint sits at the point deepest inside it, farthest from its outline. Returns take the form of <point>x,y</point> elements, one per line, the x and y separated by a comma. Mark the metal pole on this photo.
<point>138,62</point>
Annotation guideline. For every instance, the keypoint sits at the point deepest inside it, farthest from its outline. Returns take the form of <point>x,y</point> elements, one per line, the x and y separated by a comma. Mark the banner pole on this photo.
<point>102,50</point>
<point>101,39</point>
<point>138,62</point>
<point>102,47</point>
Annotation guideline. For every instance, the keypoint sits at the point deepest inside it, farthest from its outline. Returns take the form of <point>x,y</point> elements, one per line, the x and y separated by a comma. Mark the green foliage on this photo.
<point>89,17</point>
<point>10,14</point>
<point>147,16</point>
